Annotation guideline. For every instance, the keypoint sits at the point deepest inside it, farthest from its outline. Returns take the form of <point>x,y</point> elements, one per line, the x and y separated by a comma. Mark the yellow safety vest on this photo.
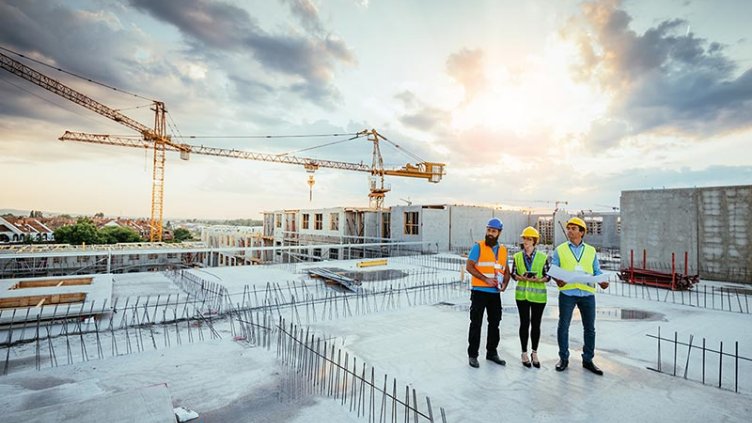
<point>535,292</point>
<point>489,264</point>
<point>568,261</point>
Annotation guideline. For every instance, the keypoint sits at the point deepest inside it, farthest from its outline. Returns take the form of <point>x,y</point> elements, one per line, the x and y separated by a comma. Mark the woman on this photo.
<point>530,267</point>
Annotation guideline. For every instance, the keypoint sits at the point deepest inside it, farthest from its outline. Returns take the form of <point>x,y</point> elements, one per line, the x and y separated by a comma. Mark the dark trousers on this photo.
<point>531,315</point>
<point>586,305</point>
<point>491,304</point>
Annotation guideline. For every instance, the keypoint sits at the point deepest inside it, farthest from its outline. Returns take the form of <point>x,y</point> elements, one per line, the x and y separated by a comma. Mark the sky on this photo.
<point>527,103</point>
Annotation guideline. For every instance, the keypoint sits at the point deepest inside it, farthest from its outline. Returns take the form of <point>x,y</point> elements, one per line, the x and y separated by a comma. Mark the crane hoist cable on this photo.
<point>76,75</point>
<point>317,146</point>
<point>52,102</point>
<point>267,136</point>
<point>402,149</point>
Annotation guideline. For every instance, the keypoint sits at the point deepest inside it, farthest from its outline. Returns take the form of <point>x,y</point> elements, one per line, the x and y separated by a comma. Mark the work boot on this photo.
<point>473,362</point>
<point>562,365</point>
<point>525,360</point>
<point>592,367</point>
<point>496,359</point>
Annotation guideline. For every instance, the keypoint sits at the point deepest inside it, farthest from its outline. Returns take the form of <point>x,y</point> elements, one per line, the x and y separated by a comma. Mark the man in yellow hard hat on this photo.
<point>574,255</point>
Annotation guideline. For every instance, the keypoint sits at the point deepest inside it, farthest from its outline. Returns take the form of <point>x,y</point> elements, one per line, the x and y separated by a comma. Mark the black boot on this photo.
<point>473,362</point>
<point>562,365</point>
<point>496,359</point>
<point>592,367</point>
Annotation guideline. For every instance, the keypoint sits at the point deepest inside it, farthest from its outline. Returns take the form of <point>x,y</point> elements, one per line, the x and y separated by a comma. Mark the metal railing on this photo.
<point>701,295</point>
<point>702,363</point>
<point>316,369</point>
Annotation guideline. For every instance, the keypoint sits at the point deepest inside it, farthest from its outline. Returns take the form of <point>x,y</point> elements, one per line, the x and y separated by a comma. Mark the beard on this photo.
<point>491,240</point>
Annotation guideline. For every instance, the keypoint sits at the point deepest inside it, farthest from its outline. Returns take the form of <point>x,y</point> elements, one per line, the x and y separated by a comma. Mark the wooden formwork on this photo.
<point>39,300</point>
<point>46,283</point>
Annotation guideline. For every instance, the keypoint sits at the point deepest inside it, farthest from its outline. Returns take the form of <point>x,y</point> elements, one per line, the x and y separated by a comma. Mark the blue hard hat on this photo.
<point>495,223</point>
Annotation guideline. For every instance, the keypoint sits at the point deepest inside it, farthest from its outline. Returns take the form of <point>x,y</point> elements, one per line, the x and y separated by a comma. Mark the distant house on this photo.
<point>19,229</point>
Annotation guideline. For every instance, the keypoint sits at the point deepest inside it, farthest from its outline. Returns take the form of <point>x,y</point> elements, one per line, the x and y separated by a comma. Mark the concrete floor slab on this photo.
<point>151,404</point>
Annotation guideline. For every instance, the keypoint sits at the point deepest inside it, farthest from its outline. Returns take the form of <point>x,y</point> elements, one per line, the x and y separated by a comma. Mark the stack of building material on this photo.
<point>330,276</point>
<point>673,281</point>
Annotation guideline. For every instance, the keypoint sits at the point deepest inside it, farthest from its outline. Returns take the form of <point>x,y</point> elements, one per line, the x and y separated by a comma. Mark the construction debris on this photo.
<point>184,414</point>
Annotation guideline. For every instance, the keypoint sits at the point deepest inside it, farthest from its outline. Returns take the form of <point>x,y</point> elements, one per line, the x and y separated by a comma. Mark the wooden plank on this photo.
<point>52,283</point>
<point>31,300</point>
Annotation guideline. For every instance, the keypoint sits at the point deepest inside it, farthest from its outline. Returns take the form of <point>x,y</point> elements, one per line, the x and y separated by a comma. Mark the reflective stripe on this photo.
<point>489,264</point>
<point>535,292</point>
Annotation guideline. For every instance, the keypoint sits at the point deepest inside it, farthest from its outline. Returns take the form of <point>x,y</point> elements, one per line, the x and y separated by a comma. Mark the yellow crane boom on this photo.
<point>157,139</point>
<point>430,171</point>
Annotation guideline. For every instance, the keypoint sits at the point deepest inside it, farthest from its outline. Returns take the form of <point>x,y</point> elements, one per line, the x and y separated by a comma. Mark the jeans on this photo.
<point>586,305</point>
<point>491,304</point>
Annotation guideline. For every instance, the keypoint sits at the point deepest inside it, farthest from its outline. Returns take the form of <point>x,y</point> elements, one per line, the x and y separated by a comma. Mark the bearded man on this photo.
<point>487,264</point>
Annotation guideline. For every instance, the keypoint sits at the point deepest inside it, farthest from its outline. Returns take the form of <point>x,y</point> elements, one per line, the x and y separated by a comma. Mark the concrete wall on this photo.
<point>397,223</point>
<point>435,228</point>
<point>724,229</point>
<point>714,225</point>
<point>326,228</point>
<point>514,222</point>
<point>661,222</point>
<point>467,225</point>
<point>457,228</point>
<point>372,225</point>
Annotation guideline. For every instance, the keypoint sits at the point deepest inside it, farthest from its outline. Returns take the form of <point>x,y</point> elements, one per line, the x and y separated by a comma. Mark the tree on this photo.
<point>115,234</point>
<point>83,231</point>
<point>181,234</point>
<point>99,215</point>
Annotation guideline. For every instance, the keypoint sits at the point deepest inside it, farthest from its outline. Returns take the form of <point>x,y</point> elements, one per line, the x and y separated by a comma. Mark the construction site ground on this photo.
<point>423,346</point>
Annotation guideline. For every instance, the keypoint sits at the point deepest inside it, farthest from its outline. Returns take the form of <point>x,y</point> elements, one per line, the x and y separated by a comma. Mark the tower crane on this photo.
<point>156,138</point>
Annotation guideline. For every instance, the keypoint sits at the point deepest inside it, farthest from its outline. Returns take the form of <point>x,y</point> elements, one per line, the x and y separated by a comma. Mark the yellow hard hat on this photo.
<point>577,221</point>
<point>530,232</point>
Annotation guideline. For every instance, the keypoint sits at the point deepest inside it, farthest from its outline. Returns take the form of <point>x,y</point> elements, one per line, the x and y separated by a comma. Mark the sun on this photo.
<point>538,91</point>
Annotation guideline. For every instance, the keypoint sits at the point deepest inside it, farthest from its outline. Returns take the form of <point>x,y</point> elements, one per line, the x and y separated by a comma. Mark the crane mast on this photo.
<point>157,135</point>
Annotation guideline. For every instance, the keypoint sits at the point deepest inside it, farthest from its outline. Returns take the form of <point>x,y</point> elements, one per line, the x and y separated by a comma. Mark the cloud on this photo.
<point>210,26</point>
<point>466,67</point>
<point>665,80</point>
<point>307,14</point>
<point>420,116</point>
<point>61,36</point>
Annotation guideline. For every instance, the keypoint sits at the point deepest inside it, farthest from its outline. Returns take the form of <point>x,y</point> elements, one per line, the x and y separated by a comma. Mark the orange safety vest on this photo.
<point>490,265</point>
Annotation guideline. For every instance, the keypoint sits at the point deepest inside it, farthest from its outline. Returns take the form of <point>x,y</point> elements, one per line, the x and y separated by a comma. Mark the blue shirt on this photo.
<point>474,256</point>
<point>577,250</point>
